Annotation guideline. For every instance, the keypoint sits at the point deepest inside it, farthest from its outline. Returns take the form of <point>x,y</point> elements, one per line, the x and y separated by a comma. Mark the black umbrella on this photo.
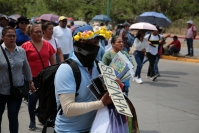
<point>154,18</point>
<point>101,17</point>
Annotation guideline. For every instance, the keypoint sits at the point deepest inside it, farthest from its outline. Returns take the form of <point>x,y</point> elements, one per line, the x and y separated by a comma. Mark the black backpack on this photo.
<point>47,109</point>
<point>158,40</point>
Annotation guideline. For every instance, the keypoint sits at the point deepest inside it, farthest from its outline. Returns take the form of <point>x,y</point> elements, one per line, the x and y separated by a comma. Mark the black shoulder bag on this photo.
<point>16,92</point>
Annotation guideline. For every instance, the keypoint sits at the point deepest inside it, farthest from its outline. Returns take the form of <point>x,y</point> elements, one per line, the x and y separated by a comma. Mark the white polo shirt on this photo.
<point>64,38</point>
<point>189,33</point>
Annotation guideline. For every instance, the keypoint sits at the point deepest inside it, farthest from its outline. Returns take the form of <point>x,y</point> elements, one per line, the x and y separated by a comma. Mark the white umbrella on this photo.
<point>142,26</point>
<point>80,23</point>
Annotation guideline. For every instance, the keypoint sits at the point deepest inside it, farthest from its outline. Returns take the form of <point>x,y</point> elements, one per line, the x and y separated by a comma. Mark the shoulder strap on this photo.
<point>159,36</point>
<point>38,54</point>
<point>149,37</point>
<point>96,61</point>
<point>76,73</point>
<point>9,68</point>
<point>55,42</point>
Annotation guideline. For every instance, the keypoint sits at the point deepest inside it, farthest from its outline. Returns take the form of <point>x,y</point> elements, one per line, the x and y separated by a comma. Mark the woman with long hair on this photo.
<point>140,45</point>
<point>39,53</point>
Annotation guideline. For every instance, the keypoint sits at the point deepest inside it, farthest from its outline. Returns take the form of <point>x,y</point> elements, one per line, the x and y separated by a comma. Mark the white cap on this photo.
<point>96,28</point>
<point>190,22</point>
<point>96,24</point>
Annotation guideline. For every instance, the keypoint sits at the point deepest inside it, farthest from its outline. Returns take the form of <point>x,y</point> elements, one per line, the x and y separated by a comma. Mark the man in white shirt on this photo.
<point>151,52</point>
<point>190,35</point>
<point>3,23</point>
<point>64,37</point>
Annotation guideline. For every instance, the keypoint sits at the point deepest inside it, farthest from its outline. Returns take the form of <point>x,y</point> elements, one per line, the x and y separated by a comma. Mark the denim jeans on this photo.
<point>151,58</point>
<point>32,101</point>
<point>156,70</point>
<point>172,50</point>
<point>139,57</point>
<point>145,60</point>
<point>190,45</point>
<point>13,106</point>
<point>26,83</point>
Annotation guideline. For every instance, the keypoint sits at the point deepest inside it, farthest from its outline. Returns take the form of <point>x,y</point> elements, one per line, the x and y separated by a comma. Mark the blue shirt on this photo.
<point>100,52</point>
<point>65,83</point>
<point>21,37</point>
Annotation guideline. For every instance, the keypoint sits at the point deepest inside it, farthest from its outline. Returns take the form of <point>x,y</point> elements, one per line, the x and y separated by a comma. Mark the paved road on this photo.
<point>168,105</point>
<point>184,51</point>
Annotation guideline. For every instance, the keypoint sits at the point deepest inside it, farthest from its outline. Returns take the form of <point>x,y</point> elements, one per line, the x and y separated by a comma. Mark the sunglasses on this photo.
<point>23,22</point>
<point>64,21</point>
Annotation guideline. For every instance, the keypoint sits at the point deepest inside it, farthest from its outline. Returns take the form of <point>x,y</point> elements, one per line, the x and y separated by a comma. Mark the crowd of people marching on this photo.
<point>30,48</point>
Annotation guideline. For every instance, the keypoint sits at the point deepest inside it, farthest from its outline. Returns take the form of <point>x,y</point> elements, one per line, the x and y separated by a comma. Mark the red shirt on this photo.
<point>177,44</point>
<point>33,58</point>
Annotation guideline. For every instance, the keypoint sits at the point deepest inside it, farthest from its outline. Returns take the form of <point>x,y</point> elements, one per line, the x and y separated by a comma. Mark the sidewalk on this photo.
<point>182,57</point>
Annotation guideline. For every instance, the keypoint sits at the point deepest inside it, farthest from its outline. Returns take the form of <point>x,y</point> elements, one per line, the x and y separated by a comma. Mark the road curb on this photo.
<point>184,59</point>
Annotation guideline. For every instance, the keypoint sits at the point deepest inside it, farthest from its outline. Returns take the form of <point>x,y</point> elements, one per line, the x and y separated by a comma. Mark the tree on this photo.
<point>121,10</point>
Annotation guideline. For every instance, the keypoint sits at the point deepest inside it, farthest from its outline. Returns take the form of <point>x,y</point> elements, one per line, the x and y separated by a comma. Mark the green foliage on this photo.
<point>120,10</point>
<point>27,8</point>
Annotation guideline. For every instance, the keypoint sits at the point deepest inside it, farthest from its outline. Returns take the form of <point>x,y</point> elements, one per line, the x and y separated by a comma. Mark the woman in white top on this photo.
<point>47,29</point>
<point>140,45</point>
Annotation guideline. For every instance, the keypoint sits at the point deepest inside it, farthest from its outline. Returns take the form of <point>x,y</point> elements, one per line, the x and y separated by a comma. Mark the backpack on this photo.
<point>159,46</point>
<point>47,109</point>
<point>131,39</point>
<point>158,40</point>
<point>193,31</point>
<point>150,37</point>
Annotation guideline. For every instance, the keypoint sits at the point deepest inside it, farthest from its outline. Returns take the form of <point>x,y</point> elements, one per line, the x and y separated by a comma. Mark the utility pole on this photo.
<point>108,8</point>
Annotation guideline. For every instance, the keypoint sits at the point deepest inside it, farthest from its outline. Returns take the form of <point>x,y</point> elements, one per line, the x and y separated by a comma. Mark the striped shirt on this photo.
<point>19,68</point>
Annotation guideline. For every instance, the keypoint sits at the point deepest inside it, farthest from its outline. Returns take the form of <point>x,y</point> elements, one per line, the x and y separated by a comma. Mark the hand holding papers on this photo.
<point>106,82</point>
<point>122,66</point>
<point>98,87</point>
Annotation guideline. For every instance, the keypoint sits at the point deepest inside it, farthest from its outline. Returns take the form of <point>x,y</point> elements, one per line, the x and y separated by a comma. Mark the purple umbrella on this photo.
<point>49,17</point>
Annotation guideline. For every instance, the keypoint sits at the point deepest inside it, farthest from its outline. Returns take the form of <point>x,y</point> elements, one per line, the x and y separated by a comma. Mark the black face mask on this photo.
<point>86,53</point>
